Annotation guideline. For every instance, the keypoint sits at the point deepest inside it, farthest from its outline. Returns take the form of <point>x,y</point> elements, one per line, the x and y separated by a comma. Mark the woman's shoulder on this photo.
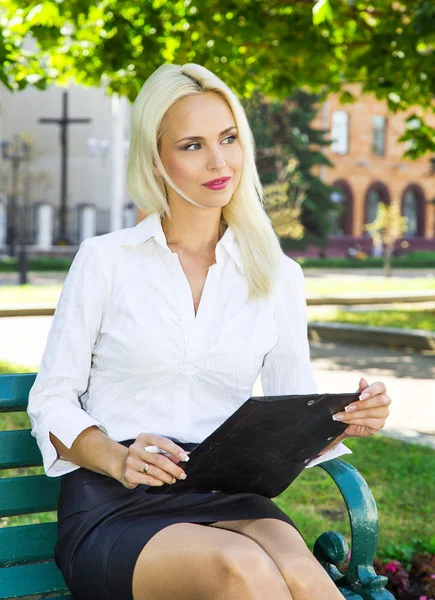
<point>109,241</point>
<point>290,268</point>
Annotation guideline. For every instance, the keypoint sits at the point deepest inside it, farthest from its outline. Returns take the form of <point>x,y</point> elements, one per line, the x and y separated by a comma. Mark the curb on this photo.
<point>410,436</point>
<point>418,339</point>
<point>27,310</point>
<point>380,298</point>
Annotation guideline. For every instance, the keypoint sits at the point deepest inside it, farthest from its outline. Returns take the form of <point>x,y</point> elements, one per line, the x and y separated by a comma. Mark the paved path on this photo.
<point>35,278</point>
<point>409,376</point>
<point>355,273</point>
<point>53,277</point>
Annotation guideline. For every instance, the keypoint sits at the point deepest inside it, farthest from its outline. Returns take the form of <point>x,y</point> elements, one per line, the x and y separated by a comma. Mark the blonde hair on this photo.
<point>259,245</point>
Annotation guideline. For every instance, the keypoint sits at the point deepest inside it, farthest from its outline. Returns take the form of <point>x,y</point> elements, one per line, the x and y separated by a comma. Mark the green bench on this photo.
<point>27,567</point>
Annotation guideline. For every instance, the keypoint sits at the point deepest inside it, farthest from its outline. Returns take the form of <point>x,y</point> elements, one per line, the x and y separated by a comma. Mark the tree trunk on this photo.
<point>387,259</point>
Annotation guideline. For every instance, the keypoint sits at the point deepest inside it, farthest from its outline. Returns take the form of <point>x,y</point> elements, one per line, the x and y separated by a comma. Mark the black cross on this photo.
<point>64,121</point>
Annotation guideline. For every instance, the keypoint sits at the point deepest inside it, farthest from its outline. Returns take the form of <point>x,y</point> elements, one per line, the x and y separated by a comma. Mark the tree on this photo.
<point>284,204</point>
<point>288,148</point>
<point>388,227</point>
<point>388,46</point>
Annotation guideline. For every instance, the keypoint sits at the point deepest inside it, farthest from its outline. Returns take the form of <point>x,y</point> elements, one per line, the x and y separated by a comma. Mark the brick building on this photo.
<point>368,169</point>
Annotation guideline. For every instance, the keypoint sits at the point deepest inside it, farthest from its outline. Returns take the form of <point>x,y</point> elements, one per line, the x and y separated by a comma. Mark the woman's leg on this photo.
<point>304,575</point>
<point>189,561</point>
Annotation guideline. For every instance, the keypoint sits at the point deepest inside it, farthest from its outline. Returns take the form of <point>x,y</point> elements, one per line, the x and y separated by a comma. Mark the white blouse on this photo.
<point>126,353</point>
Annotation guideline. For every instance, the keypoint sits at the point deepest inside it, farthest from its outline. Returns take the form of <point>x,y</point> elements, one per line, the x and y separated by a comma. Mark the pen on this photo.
<point>156,450</point>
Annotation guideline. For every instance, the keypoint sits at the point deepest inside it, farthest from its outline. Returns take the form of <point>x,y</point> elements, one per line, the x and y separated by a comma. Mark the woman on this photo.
<point>159,335</point>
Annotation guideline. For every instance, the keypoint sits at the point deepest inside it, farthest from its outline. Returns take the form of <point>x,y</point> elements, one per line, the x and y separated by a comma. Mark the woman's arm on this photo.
<point>94,450</point>
<point>287,367</point>
<point>63,377</point>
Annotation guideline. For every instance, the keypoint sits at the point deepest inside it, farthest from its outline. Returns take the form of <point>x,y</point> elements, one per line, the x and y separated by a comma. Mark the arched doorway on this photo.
<point>376,194</point>
<point>413,207</point>
<point>342,213</point>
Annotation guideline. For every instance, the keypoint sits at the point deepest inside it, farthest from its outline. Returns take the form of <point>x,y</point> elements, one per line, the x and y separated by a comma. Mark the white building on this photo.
<point>97,198</point>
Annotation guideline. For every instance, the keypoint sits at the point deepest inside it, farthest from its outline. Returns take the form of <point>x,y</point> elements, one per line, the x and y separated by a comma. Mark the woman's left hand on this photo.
<point>369,413</point>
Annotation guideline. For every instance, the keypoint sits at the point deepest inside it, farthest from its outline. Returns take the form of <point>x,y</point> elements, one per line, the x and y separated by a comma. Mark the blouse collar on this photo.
<point>151,226</point>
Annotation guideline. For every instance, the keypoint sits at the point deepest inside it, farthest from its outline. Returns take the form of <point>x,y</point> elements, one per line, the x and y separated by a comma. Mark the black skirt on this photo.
<point>103,526</point>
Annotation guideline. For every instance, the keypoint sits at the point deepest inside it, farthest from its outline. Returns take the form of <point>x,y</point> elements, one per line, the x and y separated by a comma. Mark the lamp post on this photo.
<point>17,151</point>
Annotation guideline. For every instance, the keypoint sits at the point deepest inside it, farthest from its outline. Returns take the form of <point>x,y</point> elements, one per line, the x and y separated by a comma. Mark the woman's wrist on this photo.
<point>116,466</point>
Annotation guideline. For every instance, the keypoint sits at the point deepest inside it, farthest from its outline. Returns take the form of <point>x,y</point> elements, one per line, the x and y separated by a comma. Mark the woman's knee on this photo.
<point>245,561</point>
<point>303,572</point>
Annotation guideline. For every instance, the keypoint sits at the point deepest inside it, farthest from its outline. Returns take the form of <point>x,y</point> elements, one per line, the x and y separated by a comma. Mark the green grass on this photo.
<point>8,367</point>
<point>328,285</point>
<point>420,259</point>
<point>10,265</point>
<point>413,260</point>
<point>29,294</point>
<point>401,319</point>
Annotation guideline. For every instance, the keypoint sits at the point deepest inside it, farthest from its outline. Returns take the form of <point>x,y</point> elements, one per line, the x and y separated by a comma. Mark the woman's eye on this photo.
<point>189,146</point>
<point>233,137</point>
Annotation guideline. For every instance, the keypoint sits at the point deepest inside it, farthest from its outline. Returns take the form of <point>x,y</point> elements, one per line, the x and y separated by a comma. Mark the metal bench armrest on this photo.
<point>331,548</point>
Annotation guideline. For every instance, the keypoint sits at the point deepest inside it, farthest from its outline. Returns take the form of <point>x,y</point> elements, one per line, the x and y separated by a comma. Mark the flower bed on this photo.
<point>415,583</point>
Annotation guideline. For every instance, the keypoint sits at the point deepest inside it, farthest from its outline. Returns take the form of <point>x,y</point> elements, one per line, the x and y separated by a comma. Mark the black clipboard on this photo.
<point>263,446</point>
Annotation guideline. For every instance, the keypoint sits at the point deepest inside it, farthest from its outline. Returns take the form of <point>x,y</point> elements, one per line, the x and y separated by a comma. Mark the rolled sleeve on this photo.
<point>287,368</point>
<point>54,399</point>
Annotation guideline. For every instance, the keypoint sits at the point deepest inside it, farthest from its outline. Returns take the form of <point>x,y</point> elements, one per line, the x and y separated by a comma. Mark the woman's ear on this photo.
<point>156,169</point>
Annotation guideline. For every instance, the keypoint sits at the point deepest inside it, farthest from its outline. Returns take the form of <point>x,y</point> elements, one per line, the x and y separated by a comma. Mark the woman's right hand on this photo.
<point>162,469</point>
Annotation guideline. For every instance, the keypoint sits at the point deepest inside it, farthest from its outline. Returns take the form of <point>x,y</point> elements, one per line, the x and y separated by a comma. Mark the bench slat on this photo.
<point>19,449</point>
<point>30,580</point>
<point>31,494</point>
<point>14,391</point>
<point>23,544</point>
<point>67,597</point>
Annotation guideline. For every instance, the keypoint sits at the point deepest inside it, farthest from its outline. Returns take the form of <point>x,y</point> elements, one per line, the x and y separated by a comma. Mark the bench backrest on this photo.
<point>27,567</point>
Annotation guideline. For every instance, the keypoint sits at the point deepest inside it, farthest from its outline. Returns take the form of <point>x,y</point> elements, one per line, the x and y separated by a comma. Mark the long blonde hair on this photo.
<point>245,213</point>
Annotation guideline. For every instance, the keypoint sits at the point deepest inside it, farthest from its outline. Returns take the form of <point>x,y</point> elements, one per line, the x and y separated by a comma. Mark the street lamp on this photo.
<point>17,151</point>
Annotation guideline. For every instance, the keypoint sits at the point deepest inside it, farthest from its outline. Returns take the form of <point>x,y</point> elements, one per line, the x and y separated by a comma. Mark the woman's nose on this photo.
<point>216,160</point>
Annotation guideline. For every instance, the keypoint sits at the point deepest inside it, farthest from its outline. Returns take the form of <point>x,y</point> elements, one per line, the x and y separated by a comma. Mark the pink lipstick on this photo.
<point>217,184</point>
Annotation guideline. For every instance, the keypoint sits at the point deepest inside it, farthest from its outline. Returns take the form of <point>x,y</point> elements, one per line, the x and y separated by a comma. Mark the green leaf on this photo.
<point>322,11</point>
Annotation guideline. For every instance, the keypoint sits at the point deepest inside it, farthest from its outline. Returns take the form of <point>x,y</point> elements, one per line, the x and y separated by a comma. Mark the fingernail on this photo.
<point>350,408</point>
<point>337,417</point>
<point>364,396</point>
<point>173,480</point>
<point>183,456</point>
<point>183,476</point>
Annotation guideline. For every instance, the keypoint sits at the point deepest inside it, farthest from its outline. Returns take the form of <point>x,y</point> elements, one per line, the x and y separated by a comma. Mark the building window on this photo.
<point>379,125</point>
<point>340,132</point>
<point>374,199</point>
<point>341,214</point>
<point>410,210</point>
<point>377,194</point>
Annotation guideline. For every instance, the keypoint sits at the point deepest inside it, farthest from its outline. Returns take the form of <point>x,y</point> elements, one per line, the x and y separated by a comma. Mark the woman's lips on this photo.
<point>218,186</point>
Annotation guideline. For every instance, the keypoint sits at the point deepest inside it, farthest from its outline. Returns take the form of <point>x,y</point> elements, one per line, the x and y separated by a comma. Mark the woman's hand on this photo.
<point>367,416</point>
<point>162,469</point>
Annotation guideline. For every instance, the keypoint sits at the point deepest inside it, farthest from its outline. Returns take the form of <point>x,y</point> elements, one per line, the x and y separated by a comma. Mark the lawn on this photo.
<point>326,285</point>
<point>401,319</point>
<point>29,294</point>
<point>330,285</point>
<point>400,477</point>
